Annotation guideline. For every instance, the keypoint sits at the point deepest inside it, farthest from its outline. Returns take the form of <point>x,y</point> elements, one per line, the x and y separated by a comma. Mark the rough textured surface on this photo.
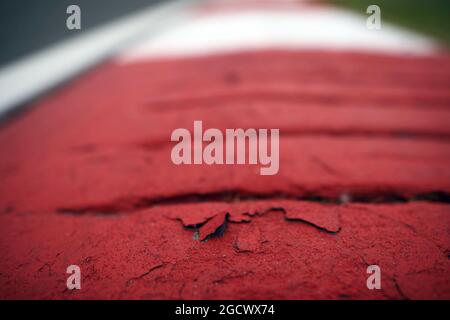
<point>364,179</point>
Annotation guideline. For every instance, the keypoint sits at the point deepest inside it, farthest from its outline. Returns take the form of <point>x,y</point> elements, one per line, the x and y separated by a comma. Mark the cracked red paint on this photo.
<point>248,239</point>
<point>87,180</point>
<point>213,225</point>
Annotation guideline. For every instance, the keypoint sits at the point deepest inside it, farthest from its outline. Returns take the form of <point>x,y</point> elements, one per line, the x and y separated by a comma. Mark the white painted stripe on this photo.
<point>302,28</point>
<point>34,74</point>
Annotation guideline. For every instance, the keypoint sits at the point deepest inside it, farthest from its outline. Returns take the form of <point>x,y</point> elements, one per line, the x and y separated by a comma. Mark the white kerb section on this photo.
<point>302,28</point>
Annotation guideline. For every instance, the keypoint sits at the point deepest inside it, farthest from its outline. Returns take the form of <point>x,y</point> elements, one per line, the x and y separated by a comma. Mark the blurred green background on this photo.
<point>431,17</point>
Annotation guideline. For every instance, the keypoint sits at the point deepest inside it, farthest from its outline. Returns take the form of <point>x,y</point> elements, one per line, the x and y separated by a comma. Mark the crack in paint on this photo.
<point>206,228</point>
<point>240,207</point>
<point>233,196</point>
<point>153,268</point>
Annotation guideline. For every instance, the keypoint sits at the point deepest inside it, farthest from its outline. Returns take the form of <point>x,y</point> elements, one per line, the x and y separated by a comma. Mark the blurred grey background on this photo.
<point>30,25</point>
